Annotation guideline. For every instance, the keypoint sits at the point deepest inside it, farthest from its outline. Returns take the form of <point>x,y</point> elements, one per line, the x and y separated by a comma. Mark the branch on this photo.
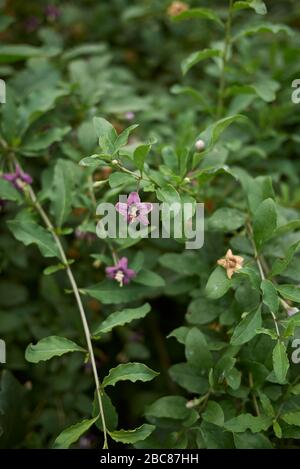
<point>75,289</point>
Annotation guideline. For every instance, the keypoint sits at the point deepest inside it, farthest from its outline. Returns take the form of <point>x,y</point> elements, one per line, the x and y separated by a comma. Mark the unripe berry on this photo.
<point>200,145</point>
<point>187,180</point>
<point>114,162</point>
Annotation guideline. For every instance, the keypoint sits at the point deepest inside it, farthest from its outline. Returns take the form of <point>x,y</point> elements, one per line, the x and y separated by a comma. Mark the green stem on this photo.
<point>224,59</point>
<point>261,272</point>
<point>75,289</point>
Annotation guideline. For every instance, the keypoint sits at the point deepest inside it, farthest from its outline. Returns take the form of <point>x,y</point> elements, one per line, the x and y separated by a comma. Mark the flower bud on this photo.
<point>200,145</point>
<point>114,162</point>
<point>187,180</point>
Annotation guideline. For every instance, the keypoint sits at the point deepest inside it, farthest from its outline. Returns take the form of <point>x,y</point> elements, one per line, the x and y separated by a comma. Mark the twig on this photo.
<point>225,60</point>
<point>51,228</point>
<point>261,271</point>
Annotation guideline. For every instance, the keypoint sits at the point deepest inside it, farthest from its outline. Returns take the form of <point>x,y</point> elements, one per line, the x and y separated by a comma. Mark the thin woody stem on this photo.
<point>225,60</point>
<point>75,289</point>
<point>261,271</point>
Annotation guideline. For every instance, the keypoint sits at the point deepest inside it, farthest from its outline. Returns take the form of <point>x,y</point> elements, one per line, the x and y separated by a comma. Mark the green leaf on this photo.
<point>292,418</point>
<point>110,413</point>
<point>180,334</point>
<point>109,292</point>
<point>243,422</point>
<point>91,161</point>
<point>269,332</point>
<point>55,268</point>
<point>106,134</point>
<point>140,155</point>
<point>215,437</point>
<point>264,222</point>
<point>197,57</point>
<point>171,407</point>
<point>257,5</point>
<point>184,263</point>
<point>263,28</point>
<point>198,13</point>
<point>196,350</point>
<point>280,265</point>
<point>212,133</point>
<point>129,371</point>
<point>168,194</point>
<point>62,191</point>
<point>49,347</point>
<point>280,362</point>
<point>218,284</point>
<point>14,53</point>
<point>214,414</point>
<point>149,278</point>
<point>132,436</point>
<point>29,232</point>
<point>246,329</point>
<point>226,219</point>
<point>121,179</point>
<point>249,440</point>
<point>70,435</point>
<point>40,141</point>
<point>184,375</point>
<point>122,139</point>
<point>290,292</point>
<point>36,105</point>
<point>119,318</point>
<point>8,192</point>
<point>270,296</point>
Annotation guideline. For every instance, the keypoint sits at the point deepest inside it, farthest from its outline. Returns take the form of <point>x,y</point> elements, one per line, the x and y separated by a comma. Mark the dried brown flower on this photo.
<point>231,263</point>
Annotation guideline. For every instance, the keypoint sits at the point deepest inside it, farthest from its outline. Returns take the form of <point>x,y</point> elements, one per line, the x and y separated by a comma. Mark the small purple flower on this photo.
<point>19,178</point>
<point>52,12</point>
<point>134,210</point>
<point>129,116</point>
<point>120,272</point>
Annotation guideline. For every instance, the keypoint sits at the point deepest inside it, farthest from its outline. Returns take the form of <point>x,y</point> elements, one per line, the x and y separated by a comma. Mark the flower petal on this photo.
<point>143,219</point>
<point>122,208</point>
<point>26,178</point>
<point>9,176</point>
<point>123,263</point>
<point>145,207</point>
<point>133,198</point>
<point>130,273</point>
<point>110,271</point>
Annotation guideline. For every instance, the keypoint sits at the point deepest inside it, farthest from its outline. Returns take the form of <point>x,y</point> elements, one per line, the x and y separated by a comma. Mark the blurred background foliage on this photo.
<point>114,57</point>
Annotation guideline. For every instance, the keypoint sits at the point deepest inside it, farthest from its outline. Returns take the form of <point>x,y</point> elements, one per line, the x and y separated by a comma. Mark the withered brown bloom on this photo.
<point>231,263</point>
<point>176,8</point>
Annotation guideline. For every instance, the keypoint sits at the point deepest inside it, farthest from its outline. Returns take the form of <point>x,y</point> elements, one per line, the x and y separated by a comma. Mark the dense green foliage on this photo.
<point>189,354</point>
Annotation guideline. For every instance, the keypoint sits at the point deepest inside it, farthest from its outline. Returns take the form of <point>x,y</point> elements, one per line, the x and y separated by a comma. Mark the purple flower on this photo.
<point>129,116</point>
<point>134,210</point>
<point>52,12</point>
<point>120,272</point>
<point>18,178</point>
